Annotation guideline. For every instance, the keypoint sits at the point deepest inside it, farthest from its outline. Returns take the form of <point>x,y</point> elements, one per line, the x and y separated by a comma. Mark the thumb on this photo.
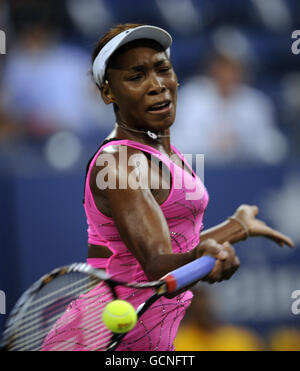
<point>255,210</point>
<point>223,254</point>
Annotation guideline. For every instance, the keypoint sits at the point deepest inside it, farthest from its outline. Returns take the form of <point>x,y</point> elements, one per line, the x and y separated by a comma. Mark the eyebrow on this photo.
<point>140,67</point>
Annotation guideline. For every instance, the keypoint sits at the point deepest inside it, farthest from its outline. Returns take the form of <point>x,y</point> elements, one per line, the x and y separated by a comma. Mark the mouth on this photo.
<point>160,107</point>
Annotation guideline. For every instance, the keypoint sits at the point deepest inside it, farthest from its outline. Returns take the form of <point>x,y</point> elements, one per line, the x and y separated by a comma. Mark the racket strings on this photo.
<point>91,328</point>
<point>67,288</point>
<point>52,318</point>
<point>96,336</point>
<point>32,315</point>
<point>35,340</point>
<point>32,328</point>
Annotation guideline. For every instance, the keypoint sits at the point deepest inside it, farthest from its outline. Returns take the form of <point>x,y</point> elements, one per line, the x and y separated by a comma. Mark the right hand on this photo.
<point>227,262</point>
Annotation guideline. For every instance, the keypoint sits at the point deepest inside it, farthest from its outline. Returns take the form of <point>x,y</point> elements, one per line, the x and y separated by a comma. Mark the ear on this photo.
<point>106,94</point>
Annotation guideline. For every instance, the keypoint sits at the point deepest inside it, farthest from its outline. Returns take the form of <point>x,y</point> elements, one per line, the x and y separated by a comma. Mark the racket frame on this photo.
<point>170,283</point>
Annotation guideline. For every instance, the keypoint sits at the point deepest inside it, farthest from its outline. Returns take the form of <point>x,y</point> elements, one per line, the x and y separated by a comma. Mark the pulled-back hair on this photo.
<point>114,31</point>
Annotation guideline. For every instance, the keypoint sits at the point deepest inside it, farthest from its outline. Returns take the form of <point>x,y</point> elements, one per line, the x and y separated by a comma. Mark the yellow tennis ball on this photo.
<point>119,316</point>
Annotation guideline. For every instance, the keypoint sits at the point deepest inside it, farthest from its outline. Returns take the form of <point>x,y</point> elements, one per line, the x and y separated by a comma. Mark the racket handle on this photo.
<point>189,273</point>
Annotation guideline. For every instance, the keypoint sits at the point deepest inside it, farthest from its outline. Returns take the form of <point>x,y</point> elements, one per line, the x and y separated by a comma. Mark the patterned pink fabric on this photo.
<point>183,210</point>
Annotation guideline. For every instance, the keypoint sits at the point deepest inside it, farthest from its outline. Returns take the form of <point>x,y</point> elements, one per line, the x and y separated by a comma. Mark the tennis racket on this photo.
<point>75,296</point>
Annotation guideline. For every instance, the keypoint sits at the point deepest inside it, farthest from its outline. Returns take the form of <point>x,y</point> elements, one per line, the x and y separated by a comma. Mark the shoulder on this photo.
<point>121,155</point>
<point>118,163</point>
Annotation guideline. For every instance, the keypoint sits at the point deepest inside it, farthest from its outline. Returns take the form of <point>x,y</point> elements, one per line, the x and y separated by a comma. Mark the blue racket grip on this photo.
<point>189,273</point>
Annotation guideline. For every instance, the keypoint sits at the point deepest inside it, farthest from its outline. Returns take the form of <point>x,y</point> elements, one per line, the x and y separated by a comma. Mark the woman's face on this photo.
<point>143,84</point>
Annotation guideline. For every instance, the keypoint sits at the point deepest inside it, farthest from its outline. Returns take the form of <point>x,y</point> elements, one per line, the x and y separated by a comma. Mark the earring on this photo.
<point>111,99</point>
<point>108,96</point>
<point>178,84</point>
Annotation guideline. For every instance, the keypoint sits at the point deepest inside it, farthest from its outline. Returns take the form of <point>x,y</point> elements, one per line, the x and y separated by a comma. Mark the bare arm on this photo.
<point>242,225</point>
<point>229,230</point>
<point>144,230</point>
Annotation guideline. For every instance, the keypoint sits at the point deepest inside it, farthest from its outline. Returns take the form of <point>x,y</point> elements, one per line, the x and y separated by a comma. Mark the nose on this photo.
<point>156,85</point>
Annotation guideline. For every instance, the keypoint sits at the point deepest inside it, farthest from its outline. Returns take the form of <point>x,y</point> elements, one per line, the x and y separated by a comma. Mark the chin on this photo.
<point>162,124</point>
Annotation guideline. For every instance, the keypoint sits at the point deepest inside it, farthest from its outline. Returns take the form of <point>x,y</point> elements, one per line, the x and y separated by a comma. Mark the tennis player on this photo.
<point>139,231</point>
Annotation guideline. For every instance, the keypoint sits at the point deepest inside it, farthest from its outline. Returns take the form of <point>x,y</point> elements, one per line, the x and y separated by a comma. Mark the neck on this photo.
<point>155,139</point>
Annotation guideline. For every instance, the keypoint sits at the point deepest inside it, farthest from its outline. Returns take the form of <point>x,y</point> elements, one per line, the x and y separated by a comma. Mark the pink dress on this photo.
<point>183,209</point>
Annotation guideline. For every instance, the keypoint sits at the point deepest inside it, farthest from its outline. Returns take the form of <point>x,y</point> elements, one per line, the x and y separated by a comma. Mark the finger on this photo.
<point>223,255</point>
<point>289,242</point>
<point>276,236</point>
<point>229,262</point>
<point>233,269</point>
<point>261,222</point>
<point>220,273</point>
<point>281,239</point>
<point>214,249</point>
<point>225,265</point>
<point>216,274</point>
<point>255,210</point>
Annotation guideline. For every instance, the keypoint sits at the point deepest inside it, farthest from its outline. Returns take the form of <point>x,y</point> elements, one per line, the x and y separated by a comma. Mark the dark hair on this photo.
<point>114,31</point>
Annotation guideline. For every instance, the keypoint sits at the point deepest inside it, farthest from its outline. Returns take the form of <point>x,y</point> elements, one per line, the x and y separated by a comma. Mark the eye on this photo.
<point>164,69</point>
<point>135,77</point>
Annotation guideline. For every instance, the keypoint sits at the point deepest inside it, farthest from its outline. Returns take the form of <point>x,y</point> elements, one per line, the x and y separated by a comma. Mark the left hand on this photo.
<point>256,227</point>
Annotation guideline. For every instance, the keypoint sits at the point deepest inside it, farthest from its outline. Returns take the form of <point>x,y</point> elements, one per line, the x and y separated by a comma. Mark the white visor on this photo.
<point>141,32</point>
